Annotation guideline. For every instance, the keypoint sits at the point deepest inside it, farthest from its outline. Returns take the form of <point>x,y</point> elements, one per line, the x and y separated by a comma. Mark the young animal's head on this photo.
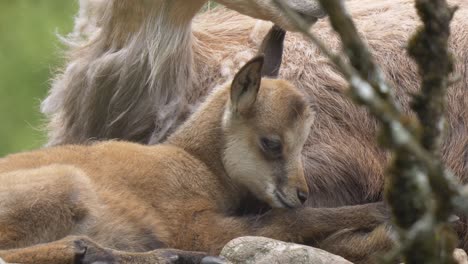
<point>265,124</point>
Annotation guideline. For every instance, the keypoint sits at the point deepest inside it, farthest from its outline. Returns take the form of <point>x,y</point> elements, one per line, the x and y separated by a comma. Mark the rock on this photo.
<point>460,256</point>
<point>261,250</point>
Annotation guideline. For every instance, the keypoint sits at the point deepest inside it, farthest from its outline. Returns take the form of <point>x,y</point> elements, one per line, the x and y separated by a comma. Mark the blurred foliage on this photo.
<point>29,53</point>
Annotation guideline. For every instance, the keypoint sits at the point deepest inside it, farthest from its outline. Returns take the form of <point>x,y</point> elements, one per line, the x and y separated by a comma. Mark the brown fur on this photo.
<point>342,161</point>
<point>182,194</point>
<point>133,62</point>
<point>343,165</point>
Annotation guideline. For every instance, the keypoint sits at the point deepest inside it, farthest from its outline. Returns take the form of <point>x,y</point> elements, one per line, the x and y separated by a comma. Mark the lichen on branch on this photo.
<point>421,192</point>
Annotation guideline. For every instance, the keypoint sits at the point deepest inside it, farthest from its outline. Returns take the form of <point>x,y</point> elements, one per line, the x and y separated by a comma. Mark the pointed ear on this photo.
<point>244,88</point>
<point>272,49</point>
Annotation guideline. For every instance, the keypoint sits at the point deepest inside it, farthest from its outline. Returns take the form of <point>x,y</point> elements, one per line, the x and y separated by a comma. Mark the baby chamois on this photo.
<point>79,204</point>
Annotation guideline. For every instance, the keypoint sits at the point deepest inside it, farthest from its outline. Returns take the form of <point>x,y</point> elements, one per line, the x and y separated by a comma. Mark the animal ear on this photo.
<point>244,88</point>
<point>272,48</point>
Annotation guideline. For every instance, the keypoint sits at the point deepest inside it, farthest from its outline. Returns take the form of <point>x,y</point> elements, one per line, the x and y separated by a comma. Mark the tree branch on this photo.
<point>421,192</point>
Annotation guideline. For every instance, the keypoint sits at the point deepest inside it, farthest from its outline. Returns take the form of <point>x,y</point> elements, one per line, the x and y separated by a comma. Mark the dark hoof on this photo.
<point>213,260</point>
<point>80,247</point>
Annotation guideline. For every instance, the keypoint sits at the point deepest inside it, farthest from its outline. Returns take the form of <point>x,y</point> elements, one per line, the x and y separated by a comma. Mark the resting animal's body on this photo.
<point>244,141</point>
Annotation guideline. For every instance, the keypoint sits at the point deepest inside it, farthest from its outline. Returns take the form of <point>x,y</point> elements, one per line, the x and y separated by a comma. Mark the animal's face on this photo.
<point>267,10</point>
<point>265,127</point>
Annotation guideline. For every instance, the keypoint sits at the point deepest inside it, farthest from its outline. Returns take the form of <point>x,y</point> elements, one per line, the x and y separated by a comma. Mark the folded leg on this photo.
<point>82,250</point>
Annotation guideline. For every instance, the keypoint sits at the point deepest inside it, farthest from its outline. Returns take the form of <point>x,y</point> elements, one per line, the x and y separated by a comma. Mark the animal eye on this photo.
<point>272,147</point>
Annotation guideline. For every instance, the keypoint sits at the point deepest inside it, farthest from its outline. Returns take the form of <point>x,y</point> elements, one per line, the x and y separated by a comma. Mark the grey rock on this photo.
<point>261,250</point>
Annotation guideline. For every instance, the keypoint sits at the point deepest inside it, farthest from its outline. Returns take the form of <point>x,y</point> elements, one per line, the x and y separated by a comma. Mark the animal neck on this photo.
<point>202,136</point>
<point>168,38</point>
<point>137,76</point>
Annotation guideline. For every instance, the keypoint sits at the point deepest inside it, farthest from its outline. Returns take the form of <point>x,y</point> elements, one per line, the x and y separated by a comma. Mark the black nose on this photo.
<point>302,195</point>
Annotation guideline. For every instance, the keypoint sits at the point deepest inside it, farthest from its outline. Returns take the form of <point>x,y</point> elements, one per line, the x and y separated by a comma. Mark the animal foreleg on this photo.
<point>83,250</point>
<point>358,245</point>
<point>210,231</point>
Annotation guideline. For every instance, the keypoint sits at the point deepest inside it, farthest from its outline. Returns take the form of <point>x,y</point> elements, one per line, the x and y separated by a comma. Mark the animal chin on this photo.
<point>307,9</point>
<point>282,201</point>
<point>309,19</point>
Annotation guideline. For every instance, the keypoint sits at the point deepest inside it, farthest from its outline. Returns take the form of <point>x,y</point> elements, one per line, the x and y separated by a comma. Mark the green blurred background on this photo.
<point>29,54</point>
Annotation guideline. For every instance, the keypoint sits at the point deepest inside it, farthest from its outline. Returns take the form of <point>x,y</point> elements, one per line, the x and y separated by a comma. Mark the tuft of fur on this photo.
<point>134,78</point>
